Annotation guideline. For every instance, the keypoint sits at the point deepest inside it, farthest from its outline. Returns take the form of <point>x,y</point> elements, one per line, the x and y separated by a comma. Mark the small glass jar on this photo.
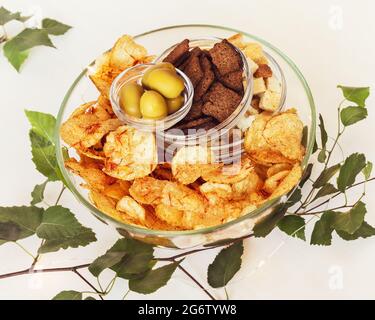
<point>135,74</point>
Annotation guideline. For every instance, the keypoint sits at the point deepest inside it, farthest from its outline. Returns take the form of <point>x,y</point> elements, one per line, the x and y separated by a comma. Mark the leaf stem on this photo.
<point>317,212</point>
<point>196,281</point>
<point>30,270</point>
<point>334,196</point>
<point>88,283</point>
<point>187,253</point>
<point>226,293</point>
<point>4,38</point>
<point>110,284</point>
<point>60,194</point>
<point>24,249</point>
<point>126,294</point>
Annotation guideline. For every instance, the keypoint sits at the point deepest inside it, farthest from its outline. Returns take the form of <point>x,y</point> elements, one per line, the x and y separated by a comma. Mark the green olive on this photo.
<point>166,82</point>
<point>153,105</point>
<point>175,104</point>
<point>130,96</point>
<point>162,65</point>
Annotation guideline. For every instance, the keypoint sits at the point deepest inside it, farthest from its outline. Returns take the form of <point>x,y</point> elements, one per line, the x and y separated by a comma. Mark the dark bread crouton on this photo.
<point>233,80</point>
<point>181,49</point>
<point>225,57</point>
<point>192,68</point>
<point>194,123</point>
<point>195,111</point>
<point>263,71</point>
<point>207,80</point>
<point>220,102</point>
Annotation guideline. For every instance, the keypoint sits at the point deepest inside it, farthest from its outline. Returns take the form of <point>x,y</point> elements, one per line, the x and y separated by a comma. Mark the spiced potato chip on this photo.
<point>130,153</point>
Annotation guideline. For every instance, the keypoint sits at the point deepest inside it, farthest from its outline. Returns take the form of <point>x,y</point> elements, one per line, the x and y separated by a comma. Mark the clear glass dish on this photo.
<point>156,41</point>
<point>135,74</point>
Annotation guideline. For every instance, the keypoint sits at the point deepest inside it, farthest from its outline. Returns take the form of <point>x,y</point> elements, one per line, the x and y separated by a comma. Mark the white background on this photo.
<point>331,41</point>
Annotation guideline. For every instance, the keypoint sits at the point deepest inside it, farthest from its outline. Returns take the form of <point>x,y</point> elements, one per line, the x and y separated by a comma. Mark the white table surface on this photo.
<point>331,41</point>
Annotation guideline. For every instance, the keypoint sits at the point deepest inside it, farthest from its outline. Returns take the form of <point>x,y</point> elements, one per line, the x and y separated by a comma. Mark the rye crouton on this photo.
<point>220,102</point>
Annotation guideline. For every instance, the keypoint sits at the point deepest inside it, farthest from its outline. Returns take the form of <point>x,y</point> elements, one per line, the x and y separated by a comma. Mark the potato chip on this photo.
<point>251,183</point>
<point>216,192</point>
<point>289,182</point>
<point>147,190</point>
<point>102,74</point>
<point>272,182</point>
<point>277,168</point>
<point>163,171</point>
<point>284,133</point>
<point>87,126</point>
<point>90,172</point>
<point>130,153</point>
<point>230,173</point>
<point>131,207</point>
<point>108,206</point>
<point>189,163</point>
<point>182,198</point>
<point>126,52</point>
<point>170,215</point>
<point>117,190</point>
<point>267,142</point>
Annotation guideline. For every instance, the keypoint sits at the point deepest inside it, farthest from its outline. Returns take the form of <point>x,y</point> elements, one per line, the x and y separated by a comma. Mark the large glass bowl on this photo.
<point>156,41</point>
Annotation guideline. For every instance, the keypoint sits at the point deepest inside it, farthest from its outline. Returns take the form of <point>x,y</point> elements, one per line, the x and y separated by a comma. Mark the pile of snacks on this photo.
<point>217,77</point>
<point>119,164</point>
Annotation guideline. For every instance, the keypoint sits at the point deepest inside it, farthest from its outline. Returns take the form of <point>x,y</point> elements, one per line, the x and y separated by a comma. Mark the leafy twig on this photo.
<point>196,282</point>
<point>88,283</point>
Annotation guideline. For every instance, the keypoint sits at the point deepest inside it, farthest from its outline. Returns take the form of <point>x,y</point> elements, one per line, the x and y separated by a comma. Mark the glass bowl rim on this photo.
<point>149,232</point>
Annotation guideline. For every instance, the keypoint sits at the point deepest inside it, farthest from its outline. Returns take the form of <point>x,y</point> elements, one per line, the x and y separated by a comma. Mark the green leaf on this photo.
<point>137,257</point>
<point>306,174</point>
<point>68,295</point>
<point>225,265</point>
<point>326,175</point>
<point>90,298</point>
<point>6,16</point>
<point>43,145</point>
<point>326,190</point>
<point>351,115</point>
<point>322,233</point>
<point>38,193</point>
<point>352,166</point>
<point>44,124</point>
<point>15,49</point>
<point>264,227</point>
<point>305,134</point>
<point>294,198</point>
<point>323,132</point>
<point>27,219</point>
<point>153,279</point>
<point>352,220</point>
<point>367,170</point>
<point>54,27</point>
<point>9,231</point>
<point>365,231</point>
<point>43,156</point>
<point>315,147</point>
<point>293,225</point>
<point>60,230</point>
<point>356,94</point>
<point>322,155</point>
